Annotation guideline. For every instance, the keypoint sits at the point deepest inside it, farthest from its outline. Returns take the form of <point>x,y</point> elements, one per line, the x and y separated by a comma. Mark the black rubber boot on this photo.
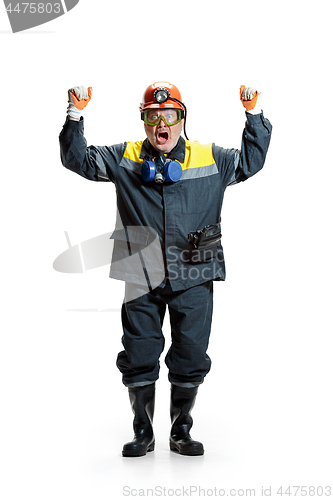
<point>143,403</point>
<point>182,402</point>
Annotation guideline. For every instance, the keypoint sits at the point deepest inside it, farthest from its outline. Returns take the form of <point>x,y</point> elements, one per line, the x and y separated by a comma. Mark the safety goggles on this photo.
<point>170,116</point>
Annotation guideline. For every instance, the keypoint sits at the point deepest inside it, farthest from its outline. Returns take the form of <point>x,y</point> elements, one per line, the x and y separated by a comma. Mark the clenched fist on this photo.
<point>251,99</point>
<point>78,98</point>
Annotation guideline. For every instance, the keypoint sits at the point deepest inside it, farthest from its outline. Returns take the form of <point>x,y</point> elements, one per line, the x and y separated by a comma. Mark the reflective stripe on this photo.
<point>131,159</point>
<point>236,161</point>
<point>101,169</point>
<point>102,176</point>
<point>131,165</point>
<point>196,172</point>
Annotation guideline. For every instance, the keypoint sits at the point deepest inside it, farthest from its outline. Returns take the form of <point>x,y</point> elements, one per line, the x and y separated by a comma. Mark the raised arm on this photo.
<point>238,165</point>
<point>94,163</point>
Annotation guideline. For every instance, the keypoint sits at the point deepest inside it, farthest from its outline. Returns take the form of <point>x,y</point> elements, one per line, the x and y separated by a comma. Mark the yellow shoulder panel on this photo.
<point>198,155</point>
<point>133,150</point>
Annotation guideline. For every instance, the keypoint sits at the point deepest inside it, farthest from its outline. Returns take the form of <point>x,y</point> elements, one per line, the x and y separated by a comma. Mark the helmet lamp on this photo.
<point>161,95</point>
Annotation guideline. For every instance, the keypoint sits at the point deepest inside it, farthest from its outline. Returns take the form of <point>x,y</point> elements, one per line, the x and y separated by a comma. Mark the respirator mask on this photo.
<point>161,169</point>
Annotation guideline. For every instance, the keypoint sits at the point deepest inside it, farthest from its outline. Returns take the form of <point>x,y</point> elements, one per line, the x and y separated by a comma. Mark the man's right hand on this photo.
<point>78,98</point>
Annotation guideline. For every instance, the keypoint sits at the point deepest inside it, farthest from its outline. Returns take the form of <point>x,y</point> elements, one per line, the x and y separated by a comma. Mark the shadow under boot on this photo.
<point>182,402</point>
<point>142,400</point>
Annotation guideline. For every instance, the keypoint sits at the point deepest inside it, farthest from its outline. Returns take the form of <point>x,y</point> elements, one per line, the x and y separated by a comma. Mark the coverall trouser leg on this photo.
<point>190,319</point>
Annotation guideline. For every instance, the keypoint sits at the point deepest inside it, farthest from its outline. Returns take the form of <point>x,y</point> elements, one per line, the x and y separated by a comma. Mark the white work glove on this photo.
<point>78,98</point>
<point>251,99</point>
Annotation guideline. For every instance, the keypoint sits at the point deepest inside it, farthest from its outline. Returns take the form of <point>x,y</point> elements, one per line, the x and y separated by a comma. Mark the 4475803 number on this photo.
<point>34,8</point>
<point>311,491</point>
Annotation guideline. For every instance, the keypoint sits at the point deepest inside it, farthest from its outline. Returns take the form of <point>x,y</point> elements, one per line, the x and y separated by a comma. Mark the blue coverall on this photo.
<point>173,210</point>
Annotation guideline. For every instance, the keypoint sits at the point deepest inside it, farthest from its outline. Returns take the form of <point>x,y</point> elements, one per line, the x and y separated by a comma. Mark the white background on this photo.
<point>264,412</point>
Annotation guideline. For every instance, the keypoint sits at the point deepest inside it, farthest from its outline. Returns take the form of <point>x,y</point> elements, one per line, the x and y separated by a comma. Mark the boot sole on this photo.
<point>138,453</point>
<point>198,450</point>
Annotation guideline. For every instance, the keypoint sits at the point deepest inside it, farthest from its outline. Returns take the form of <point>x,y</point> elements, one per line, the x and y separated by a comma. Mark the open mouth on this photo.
<point>162,137</point>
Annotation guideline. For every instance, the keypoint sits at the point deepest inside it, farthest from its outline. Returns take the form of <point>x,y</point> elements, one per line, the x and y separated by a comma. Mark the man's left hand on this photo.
<point>251,99</point>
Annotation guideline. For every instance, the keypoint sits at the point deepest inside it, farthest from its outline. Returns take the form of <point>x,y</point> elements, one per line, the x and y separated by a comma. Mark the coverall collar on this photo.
<point>177,153</point>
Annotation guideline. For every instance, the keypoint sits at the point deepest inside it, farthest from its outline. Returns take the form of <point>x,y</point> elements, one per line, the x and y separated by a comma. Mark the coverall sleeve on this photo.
<point>96,163</point>
<point>238,165</point>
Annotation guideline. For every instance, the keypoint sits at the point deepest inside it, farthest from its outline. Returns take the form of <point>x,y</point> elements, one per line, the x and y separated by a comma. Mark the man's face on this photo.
<point>163,137</point>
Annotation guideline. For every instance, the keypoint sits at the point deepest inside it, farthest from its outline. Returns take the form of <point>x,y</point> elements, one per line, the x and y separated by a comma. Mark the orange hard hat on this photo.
<point>160,94</point>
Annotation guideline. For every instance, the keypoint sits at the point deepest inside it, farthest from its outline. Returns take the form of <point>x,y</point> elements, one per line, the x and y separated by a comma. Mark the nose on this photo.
<point>162,123</point>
